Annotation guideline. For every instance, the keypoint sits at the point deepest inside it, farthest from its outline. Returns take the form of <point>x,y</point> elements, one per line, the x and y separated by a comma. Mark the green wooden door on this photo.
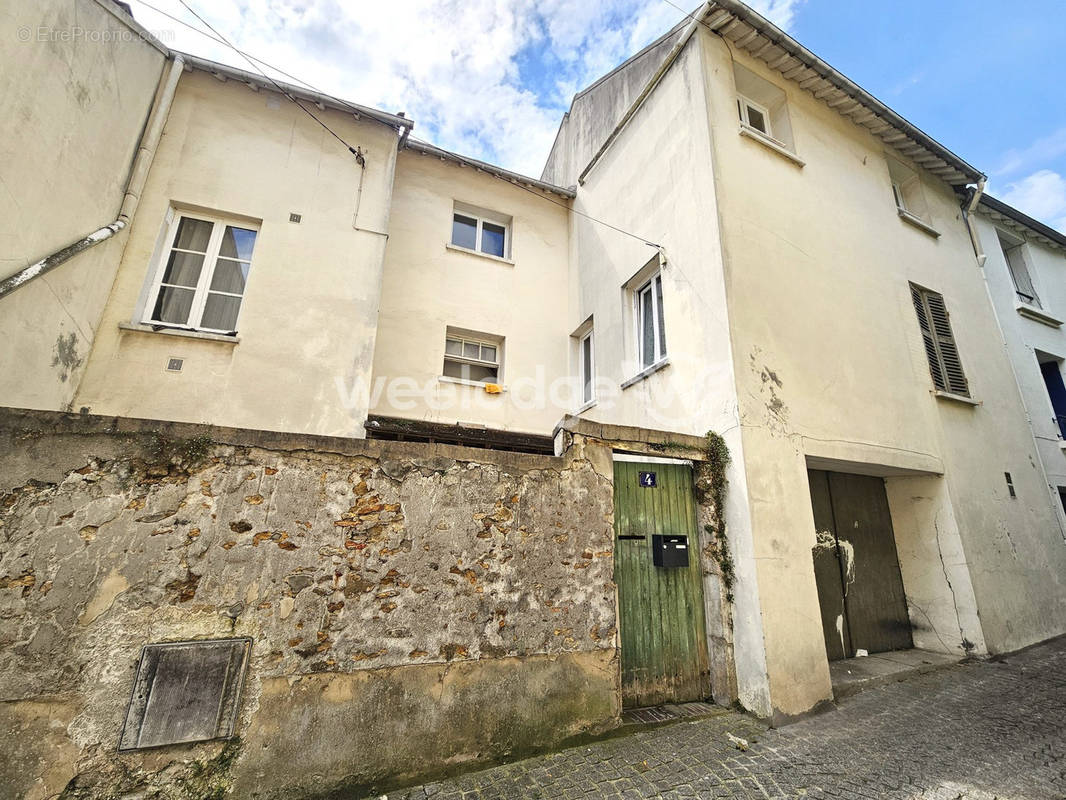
<point>661,615</point>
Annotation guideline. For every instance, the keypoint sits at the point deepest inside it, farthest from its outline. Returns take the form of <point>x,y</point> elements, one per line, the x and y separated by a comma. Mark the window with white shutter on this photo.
<point>1014,254</point>
<point>945,367</point>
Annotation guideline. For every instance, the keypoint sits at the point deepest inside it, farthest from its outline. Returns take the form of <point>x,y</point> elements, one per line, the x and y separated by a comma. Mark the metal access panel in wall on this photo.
<point>660,592</point>
<point>856,566</point>
<point>186,692</point>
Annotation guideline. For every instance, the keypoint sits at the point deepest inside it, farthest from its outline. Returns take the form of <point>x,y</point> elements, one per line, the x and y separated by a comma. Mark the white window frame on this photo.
<point>659,350</point>
<point>897,192</point>
<point>588,366</point>
<point>743,104</point>
<point>480,218</point>
<point>465,339</point>
<point>202,288</point>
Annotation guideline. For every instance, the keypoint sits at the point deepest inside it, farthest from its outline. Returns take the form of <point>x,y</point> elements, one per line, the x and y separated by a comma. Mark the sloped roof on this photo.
<point>760,38</point>
<point>999,211</point>
<point>746,30</point>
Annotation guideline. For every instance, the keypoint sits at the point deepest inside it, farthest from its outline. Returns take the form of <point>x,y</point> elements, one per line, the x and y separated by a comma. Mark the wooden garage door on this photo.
<point>860,588</point>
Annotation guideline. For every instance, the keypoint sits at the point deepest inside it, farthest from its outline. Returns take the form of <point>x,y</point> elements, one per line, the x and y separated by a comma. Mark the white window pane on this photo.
<point>453,347</point>
<point>488,352</point>
<point>471,350</point>
<point>586,368</point>
<point>173,305</point>
<point>230,276</point>
<point>183,269</point>
<point>470,372</point>
<point>647,329</point>
<point>659,309</point>
<point>220,312</point>
<point>464,231</point>
<point>756,119</point>
<point>492,239</point>
<point>193,234</point>
<point>237,243</point>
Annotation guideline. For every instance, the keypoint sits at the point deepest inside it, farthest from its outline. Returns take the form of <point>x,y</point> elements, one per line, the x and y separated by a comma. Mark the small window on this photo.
<point>907,190</point>
<point>754,115</point>
<point>763,107</point>
<point>1015,255</point>
<point>481,231</point>
<point>651,324</point>
<point>471,359</point>
<point>201,281</point>
<point>945,367</point>
<point>588,368</point>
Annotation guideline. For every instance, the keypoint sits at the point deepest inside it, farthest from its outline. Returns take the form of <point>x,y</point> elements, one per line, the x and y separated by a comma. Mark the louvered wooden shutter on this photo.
<point>945,367</point>
<point>1023,282</point>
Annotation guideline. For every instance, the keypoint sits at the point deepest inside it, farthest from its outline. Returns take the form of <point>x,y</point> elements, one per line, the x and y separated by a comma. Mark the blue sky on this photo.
<point>491,78</point>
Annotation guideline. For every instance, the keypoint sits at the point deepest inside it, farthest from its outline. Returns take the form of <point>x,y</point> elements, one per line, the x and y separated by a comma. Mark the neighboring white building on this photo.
<point>1025,265</point>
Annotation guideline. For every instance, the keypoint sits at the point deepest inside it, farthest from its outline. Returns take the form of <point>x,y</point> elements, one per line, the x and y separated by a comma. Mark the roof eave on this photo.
<point>998,207</point>
<point>760,38</point>
<point>511,177</point>
<point>258,81</point>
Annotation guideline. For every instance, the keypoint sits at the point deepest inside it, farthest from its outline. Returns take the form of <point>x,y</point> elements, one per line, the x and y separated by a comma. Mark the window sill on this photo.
<point>918,223</point>
<point>456,248</point>
<point>581,409</point>
<point>465,382</point>
<point>1037,315</point>
<point>773,144</point>
<point>140,327</point>
<point>957,398</point>
<point>647,372</point>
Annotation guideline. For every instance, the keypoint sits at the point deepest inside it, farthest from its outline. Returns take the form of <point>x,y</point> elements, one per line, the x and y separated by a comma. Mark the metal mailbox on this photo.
<point>669,551</point>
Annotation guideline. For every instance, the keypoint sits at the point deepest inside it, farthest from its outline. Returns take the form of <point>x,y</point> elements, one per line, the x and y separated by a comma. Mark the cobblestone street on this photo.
<point>994,729</point>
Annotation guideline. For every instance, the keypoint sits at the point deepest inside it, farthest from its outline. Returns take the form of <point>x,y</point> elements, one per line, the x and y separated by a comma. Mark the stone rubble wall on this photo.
<point>412,606</point>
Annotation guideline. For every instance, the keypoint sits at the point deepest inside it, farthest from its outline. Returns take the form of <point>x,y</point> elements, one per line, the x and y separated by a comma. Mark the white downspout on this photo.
<point>142,162</point>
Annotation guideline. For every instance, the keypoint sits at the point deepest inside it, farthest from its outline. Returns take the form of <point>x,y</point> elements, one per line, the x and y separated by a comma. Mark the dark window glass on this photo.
<point>492,239</point>
<point>464,231</point>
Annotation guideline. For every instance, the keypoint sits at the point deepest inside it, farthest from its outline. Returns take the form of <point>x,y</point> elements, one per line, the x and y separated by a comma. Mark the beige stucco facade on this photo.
<point>430,287</point>
<point>791,330</point>
<point>302,356</point>
<point>59,182</point>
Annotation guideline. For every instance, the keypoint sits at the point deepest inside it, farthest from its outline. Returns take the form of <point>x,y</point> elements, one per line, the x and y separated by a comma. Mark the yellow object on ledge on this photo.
<point>493,388</point>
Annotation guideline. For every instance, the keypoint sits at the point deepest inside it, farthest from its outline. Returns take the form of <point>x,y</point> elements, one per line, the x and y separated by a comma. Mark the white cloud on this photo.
<point>1041,195</point>
<point>1040,151</point>
<point>488,78</point>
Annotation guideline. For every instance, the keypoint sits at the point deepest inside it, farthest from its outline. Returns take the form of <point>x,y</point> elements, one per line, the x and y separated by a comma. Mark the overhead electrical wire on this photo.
<point>355,152</point>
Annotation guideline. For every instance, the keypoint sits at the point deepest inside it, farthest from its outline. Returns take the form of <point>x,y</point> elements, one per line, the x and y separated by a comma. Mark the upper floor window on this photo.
<point>651,323</point>
<point>588,368</point>
<point>754,115</point>
<point>945,367</point>
<point>908,195</point>
<point>1015,256</point>
<point>471,358</point>
<point>481,231</point>
<point>200,281</point>
<point>763,107</point>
